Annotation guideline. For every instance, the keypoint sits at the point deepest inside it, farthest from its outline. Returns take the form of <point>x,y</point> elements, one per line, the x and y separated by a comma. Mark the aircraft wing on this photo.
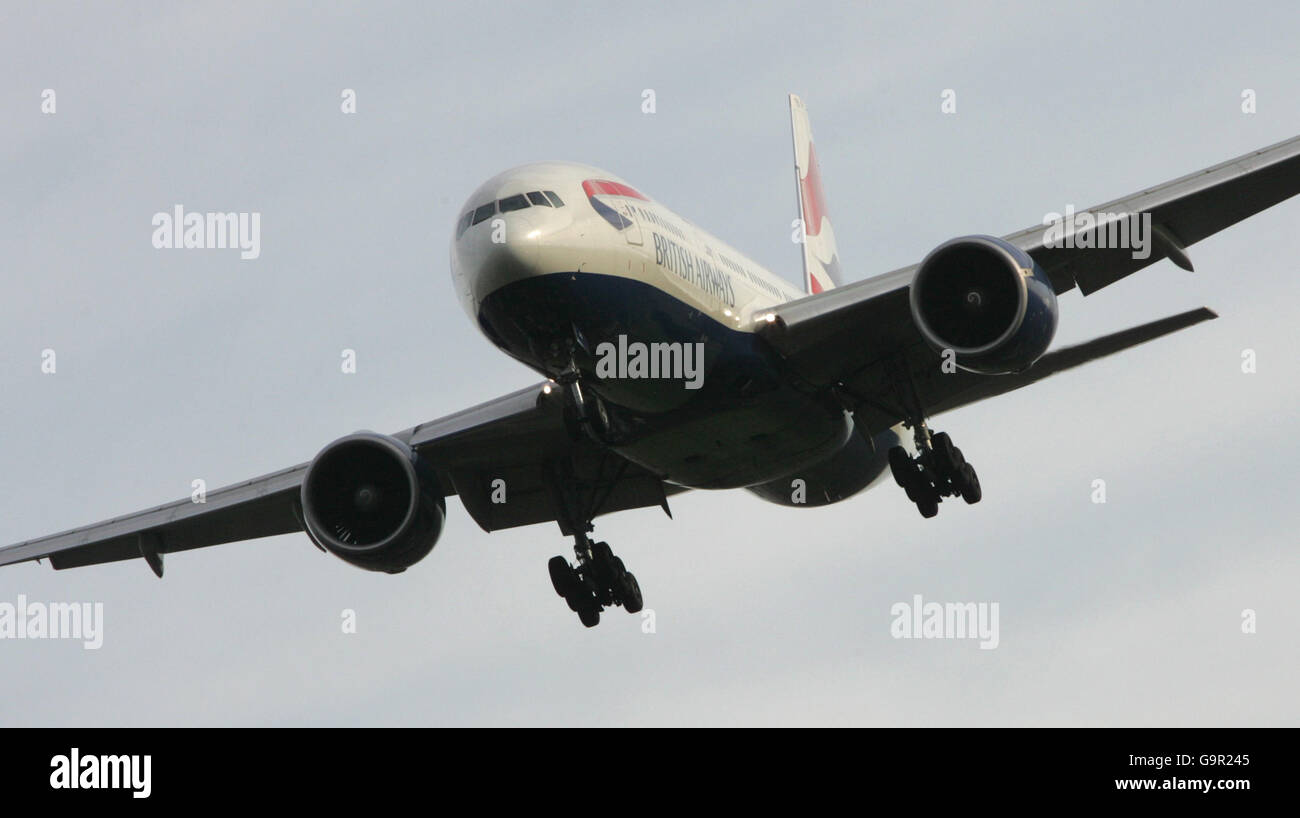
<point>521,438</point>
<point>967,387</point>
<point>1183,212</point>
<point>851,334</point>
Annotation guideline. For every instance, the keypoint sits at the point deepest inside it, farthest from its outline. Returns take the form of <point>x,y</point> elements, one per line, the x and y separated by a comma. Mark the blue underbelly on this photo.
<point>738,422</point>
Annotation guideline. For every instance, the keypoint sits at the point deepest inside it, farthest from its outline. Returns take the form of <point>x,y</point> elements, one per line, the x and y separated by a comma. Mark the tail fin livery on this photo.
<point>821,262</point>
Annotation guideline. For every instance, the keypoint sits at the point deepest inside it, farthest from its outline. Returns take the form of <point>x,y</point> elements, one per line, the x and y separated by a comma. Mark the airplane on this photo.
<point>673,362</point>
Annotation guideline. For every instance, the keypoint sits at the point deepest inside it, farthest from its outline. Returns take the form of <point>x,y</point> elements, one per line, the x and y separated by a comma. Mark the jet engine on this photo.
<point>985,300</point>
<point>372,501</point>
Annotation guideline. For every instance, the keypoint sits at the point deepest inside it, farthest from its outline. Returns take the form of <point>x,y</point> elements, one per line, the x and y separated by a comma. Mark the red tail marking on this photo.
<point>814,202</point>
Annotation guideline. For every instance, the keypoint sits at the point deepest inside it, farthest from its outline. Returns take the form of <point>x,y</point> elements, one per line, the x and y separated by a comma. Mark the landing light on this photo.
<point>532,234</point>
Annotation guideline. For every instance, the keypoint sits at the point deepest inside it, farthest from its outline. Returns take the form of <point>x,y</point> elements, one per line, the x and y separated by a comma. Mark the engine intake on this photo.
<point>372,501</point>
<point>987,301</point>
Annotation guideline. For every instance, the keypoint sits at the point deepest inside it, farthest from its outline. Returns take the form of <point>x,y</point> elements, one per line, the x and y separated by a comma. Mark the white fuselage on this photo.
<point>685,261</point>
<point>556,262</point>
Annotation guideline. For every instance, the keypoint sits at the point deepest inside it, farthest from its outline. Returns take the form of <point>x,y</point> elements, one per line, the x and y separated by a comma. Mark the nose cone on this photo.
<point>496,238</point>
<point>492,254</point>
<point>528,221</point>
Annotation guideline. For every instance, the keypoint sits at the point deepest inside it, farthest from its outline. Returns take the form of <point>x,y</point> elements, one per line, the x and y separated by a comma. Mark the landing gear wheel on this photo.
<point>947,457</point>
<point>630,592</point>
<point>606,570</point>
<point>580,599</point>
<point>900,465</point>
<point>928,504</point>
<point>590,617</point>
<point>970,485</point>
<point>562,577</point>
<point>914,489</point>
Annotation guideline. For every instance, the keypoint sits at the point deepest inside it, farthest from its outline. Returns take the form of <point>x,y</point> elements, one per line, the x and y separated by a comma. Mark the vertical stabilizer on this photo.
<point>821,262</point>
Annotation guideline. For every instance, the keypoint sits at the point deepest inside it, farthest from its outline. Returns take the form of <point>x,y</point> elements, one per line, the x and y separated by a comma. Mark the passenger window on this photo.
<point>485,212</point>
<point>538,199</point>
<point>516,202</point>
<point>555,200</point>
<point>464,223</point>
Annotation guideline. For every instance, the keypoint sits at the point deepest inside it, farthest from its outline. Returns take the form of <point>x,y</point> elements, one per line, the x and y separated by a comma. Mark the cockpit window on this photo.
<point>519,201</point>
<point>516,202</point>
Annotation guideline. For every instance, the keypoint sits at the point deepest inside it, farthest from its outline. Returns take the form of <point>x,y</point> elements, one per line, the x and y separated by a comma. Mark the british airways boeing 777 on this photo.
<point>672,361</point>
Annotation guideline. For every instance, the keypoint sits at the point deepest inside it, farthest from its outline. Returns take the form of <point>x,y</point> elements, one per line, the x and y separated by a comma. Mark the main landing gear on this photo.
<point>939,470</point>
<point>599,580</point>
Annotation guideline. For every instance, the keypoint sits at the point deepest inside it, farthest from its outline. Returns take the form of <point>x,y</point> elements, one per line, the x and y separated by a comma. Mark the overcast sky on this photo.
<point>177,365</point>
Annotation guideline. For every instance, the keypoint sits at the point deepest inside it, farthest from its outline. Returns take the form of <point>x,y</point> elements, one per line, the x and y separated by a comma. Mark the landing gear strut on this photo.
<point>584,411</point>
<point>599,580</point>
<point>939,470</point>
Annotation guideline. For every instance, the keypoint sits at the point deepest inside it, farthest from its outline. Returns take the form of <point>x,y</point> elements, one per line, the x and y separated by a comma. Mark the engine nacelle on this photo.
<point>372,501</point>
<point>987,301</point>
